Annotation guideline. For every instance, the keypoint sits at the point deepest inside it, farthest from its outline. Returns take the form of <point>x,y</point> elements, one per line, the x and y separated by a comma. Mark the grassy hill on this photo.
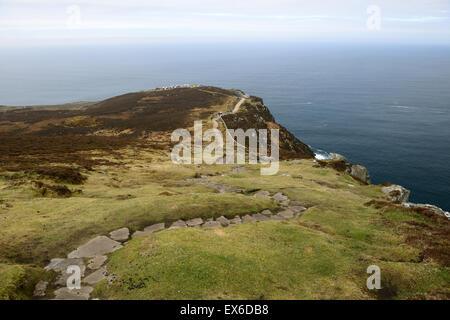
<point>70,174</point>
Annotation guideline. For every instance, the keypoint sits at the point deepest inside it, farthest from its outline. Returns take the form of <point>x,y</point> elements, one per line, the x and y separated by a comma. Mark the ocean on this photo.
<point>384,106</point>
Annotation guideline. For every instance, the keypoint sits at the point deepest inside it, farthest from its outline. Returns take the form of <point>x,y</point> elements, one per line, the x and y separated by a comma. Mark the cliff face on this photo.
<point>253,114</point>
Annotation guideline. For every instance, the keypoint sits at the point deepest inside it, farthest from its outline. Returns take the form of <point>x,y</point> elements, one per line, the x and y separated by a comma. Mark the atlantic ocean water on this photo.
<point>384,106</point>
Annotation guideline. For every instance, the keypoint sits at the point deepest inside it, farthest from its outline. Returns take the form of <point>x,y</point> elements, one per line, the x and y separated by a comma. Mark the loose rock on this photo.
<point>178,224</point>
<point>120,235</point>
<point>236,220</point>
<point>149,230</point>
<point>194,222</point>
<point>267,213</point>
<point>223,221</point>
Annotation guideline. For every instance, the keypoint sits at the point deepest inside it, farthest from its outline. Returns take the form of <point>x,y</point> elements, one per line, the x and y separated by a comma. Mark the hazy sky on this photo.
<point>54,22</point>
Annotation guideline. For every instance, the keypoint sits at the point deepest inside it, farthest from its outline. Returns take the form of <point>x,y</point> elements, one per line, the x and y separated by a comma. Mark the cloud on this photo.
<point>44,21</point>
<point>418,19</point>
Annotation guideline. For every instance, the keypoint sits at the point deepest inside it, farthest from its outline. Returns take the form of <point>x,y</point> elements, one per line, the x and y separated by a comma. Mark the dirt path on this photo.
<point>235,110</point>
<point>238,105</point>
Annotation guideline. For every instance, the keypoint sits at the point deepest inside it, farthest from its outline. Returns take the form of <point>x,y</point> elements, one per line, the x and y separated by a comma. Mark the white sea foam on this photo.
<point>403,107</point>
<point>322,155</point>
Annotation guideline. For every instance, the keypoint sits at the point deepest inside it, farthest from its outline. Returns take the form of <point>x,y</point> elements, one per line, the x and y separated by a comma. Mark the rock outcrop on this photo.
<point>427,207</point>
<point>338,157</point>
<point>396,193</point>
<point>253,114</point>
<point>359,172</point>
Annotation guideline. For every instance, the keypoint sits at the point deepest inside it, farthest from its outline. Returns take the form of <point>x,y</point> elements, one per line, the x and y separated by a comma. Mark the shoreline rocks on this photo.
<point>396,193</point>
<point>338,157</point>
<point>359,172</point>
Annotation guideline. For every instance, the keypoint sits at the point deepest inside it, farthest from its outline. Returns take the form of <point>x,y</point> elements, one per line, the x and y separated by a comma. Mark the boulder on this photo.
<point>338,157</point>
<point>396,193</point>
<point>236,220</point>
<point>149,230</point>
<point>212,224</point>
<point>267,213</point>
<point>100,245</point>
<point>120,234</point>
<point>223,221</point>
<point>359,172</point>
<point>436,210</point>
<point>279,197</point>
<point>194,222</point>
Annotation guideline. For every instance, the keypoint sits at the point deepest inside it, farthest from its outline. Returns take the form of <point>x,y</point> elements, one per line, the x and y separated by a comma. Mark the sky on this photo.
<point>63,22</point>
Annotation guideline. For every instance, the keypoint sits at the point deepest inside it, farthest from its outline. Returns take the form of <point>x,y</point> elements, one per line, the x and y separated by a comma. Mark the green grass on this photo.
<point>273,260</point>
<point>322,255</point>
<point>17,281</point>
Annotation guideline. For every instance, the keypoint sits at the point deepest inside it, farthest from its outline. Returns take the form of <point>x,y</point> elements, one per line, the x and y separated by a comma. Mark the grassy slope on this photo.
<point>322,255</point>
